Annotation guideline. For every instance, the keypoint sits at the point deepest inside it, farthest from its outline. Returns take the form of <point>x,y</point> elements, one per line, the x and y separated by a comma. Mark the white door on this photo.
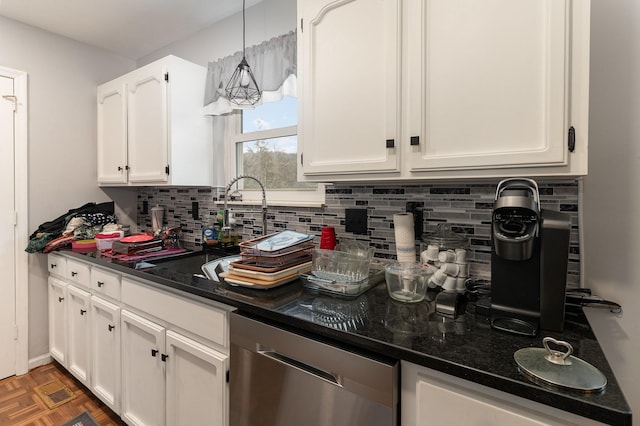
<point>196,383</point>
<point>105,352</point>
<point>112,132</point>
<point>143,383</point>
<point>58,320</point>
<point>486,83</point>
<point>148,150</point>
<point>7,242</point>
<point>349,113</point>
<point>78,349</point>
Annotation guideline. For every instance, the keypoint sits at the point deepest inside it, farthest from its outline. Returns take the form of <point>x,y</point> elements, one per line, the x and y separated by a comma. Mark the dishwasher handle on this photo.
<point>319,373</point>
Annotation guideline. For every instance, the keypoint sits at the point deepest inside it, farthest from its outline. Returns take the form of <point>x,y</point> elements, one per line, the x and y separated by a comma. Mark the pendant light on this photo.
<point>242,89</point>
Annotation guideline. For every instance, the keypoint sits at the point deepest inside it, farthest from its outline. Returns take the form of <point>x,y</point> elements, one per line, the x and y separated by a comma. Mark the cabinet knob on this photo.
<point>111,327</point>
<point>391,143</point>
<point>53,265</point>
<point>73,274</point>
<point>60,299</point>
<point>414,140</point>
<point>164,357</point>
<point>100,283</point>
<point>83,311</point>
<point>119,168</point>
<point>154,352</point>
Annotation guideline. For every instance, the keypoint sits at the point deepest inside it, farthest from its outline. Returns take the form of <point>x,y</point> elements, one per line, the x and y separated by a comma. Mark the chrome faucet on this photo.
<point>225,217</point>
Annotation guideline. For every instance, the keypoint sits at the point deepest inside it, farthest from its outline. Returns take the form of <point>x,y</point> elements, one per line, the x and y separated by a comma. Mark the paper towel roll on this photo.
<point>405,237</point>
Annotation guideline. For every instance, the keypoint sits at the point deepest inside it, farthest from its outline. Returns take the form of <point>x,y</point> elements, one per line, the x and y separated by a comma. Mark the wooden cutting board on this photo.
<point>255,282</point>
<point>270,276</point>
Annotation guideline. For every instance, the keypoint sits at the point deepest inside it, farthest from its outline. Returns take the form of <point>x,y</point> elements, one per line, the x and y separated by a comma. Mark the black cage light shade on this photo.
<point>242,89</point>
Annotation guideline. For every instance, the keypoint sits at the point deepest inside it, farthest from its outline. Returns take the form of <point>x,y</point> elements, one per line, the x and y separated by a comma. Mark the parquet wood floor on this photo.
<point>21,406</point>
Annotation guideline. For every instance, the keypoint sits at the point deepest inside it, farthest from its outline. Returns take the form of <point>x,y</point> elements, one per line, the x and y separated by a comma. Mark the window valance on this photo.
<point>273,64</point>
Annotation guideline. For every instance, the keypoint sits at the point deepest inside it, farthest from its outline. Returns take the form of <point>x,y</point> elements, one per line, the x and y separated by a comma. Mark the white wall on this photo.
<point>265,20</point>
<point>62,80</point>
<point>611,202</point>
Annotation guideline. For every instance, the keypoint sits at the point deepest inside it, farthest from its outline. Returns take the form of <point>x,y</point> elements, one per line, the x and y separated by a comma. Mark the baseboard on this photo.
<point>38,361</point>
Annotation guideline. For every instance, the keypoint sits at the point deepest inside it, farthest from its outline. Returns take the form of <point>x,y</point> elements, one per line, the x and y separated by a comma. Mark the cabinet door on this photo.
<point>349,76</point>
<point>58,320</point>
<point>487,83</point>
<point>196,383</point>
<point>105,352</point>
<point>112,132</point>
<point>147,124</point>
<point>429,397</point>
<point>79,327</point>
<point>143,383</point>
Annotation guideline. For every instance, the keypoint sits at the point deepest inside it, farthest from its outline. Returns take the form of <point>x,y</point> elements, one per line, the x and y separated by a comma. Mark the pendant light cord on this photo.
<point>243,31</point>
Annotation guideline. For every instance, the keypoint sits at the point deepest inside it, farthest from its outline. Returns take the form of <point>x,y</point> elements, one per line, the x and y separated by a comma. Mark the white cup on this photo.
<point>463,269</point>
<point>449,283</point>
<point>461,256</point>
<point>448,256</point>
<point>451,269</point>
<point>438,277</point>
<point>432,252</point>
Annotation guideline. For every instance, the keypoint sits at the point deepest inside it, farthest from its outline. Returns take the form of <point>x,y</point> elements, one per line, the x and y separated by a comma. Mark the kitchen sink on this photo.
<point>191,264</point>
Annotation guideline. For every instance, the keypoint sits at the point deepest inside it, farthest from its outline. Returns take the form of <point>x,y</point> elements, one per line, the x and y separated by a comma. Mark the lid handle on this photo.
<point>557,357</point>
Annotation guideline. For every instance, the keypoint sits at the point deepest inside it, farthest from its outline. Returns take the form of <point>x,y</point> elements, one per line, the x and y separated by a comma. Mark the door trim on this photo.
<point>21,230</point>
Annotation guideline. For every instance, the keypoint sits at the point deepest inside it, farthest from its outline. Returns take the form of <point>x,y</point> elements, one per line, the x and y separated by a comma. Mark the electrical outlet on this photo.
<point>355,221</point>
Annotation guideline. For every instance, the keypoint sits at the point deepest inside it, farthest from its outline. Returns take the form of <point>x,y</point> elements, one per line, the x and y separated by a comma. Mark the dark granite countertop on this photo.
<point>464,347</point>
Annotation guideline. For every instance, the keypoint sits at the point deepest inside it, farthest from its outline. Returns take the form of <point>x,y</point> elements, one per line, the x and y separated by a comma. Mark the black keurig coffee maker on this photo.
<point>529,255</point>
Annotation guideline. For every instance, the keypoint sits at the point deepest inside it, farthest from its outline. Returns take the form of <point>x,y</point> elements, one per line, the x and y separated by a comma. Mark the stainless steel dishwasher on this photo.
<point>280,378</point>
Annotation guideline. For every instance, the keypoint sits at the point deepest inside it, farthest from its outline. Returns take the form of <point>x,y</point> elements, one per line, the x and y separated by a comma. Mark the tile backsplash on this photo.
<point>466,207</point>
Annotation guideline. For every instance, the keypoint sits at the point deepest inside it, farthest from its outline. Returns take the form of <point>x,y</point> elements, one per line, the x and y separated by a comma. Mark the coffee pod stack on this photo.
<point>405,237</point>
<point>446,252</point>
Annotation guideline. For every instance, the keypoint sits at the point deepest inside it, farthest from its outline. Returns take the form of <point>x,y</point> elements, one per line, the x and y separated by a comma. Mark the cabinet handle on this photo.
<point>53,265</point>
<point>164,357</point>
<point>391,143</point>
<point>414,140</point>
<point>73,274</point>
<point>100,283</point>
<point>60,299</point>
<point>154,352</point>
<point>83,311</point>
<point>111,327</point>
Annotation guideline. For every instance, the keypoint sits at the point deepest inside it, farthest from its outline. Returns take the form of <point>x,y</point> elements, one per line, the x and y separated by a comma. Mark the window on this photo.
<point>264,144</point>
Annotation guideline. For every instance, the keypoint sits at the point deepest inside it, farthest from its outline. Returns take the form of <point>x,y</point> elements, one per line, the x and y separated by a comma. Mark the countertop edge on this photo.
<point>532,392</point>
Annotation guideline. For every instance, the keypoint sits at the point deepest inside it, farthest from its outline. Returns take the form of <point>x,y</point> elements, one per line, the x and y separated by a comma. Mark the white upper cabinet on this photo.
<point>152,129</point>
<point>484,88</point>
<point>349,76</point>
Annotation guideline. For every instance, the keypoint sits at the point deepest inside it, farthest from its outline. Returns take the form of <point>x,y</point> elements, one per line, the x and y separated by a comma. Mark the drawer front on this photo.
<point>200,319</point>
<point>79,272</point>
<point>105,282</point>
<point>57,265</point>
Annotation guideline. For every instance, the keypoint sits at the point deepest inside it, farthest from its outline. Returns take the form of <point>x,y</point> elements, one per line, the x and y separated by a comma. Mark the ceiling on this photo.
<point>130,28</point>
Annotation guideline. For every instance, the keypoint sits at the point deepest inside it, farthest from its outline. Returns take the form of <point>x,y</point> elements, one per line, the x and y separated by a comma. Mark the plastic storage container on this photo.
<point>104,241</point>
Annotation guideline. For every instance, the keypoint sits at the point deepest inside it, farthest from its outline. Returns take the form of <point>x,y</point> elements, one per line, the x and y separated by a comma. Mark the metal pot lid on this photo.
<point>558,368</point>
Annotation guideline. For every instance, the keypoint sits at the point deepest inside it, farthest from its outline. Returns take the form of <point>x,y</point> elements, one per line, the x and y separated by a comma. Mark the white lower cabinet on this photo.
<point>154,357</point>
<point>105,352</point>
<point>78,336</point>
<point>58,320</point>
<point>204,397</point>
<point>429,397</point>
<point>143,384</point>
<point>168,378</point>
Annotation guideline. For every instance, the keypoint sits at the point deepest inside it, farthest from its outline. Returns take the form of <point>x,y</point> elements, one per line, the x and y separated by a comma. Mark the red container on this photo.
<point>328,238</point>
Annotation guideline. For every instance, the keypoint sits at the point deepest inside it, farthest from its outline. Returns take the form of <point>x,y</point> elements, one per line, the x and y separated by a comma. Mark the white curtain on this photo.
<point>273,64</point>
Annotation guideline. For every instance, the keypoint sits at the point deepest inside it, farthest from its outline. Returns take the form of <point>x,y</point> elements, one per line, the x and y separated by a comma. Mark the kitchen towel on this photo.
<point>404,232</point>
